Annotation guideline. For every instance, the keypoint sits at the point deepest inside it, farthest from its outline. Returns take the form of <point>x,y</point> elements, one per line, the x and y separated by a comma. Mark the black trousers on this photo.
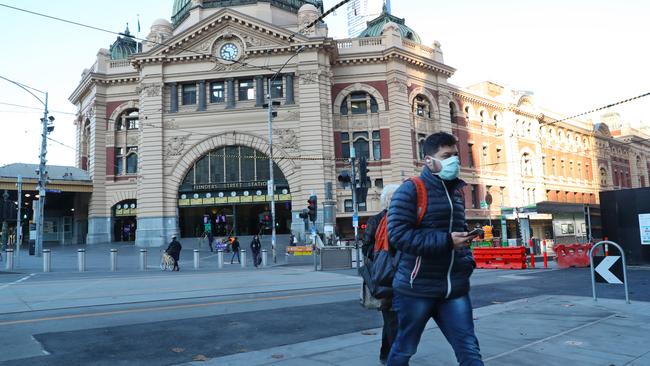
<point>388,333</point>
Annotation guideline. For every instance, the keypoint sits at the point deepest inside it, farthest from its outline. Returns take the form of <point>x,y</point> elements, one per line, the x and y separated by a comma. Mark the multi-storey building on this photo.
<point>359,12</point>
<point>177,132</point>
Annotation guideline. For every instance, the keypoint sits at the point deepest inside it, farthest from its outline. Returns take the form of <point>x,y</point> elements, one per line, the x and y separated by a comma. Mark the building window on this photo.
<point>467,110</point>
<point>345,145</point>
<point>422,106</point>
<point>421,138</point>
<point>579,171</point>
<point>485,154</point>
<point>362,207</point>
<point>452,112</point>
<point>470,155</point>
<point>217,92</point>
<point>246,89</point>
<point>361,145</point>
<point>344,107</point>
<point>376,145</point>
<point>129,120</point>
<point>475,199</point>
<point>379,183</point>
<point>189,94</point>
<point>119,161</point>
<point>132,160</point>
<point>359,103</point>
<point>544,164</point>
<point>498,155</point>
<point>481,115</point>
<point>348,206</point>
<point>553,167</point>
<point>526,165</point>
<point>571,169</point>
<point>276,88</point>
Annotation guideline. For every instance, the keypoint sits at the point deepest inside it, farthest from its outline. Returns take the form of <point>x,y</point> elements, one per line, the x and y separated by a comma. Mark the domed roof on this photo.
<point>376,27</point>
<point>124,46</point>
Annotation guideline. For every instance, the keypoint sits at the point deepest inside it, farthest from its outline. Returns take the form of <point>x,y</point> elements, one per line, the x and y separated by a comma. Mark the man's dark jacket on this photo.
<point>442,271</point>
<point>174,249</point>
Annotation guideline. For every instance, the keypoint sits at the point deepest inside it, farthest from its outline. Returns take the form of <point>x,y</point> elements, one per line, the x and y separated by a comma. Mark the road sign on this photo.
<point>484,205</point>
<point>609,269</point>
<point>53,190</point>
<point>355,220</point>
<point>488,199</point>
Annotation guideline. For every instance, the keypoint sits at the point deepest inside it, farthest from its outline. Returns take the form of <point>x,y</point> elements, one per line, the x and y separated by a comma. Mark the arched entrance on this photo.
<point>125,220</point>
<point>225,191</point>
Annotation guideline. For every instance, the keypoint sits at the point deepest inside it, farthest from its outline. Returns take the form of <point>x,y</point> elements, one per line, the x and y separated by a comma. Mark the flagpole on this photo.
<point>137,48</point>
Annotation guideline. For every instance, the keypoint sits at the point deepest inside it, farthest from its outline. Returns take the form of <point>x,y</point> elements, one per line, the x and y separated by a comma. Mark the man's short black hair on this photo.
<point>433,143</point>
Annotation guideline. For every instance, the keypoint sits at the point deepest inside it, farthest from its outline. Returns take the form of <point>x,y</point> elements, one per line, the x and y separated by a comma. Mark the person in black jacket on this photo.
<point>174,251</point>
<point>432,277</point>
<point>256,246</point>
<point>389,330</point>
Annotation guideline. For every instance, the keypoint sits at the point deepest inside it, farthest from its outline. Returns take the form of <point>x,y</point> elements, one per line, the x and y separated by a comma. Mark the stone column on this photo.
<point>290,99</point>
<point>173,98</point>
<point>230,90</point>
<point>202,97</point>
<point>401,130</point>
<point>259,91</point>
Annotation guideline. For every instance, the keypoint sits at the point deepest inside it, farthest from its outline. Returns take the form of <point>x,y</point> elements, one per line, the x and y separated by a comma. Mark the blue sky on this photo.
<point>575,55</point>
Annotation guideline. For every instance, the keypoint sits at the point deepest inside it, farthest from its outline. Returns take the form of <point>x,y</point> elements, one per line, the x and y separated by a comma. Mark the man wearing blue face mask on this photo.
<point>434,261</point>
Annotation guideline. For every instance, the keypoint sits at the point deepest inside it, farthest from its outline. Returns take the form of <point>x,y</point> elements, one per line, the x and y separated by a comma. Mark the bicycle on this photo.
<point>166,262</point>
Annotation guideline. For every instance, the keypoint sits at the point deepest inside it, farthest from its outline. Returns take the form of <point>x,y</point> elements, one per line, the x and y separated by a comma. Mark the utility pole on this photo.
<point>19,227</point>
<point>42,180</point>
<point>271,184</point>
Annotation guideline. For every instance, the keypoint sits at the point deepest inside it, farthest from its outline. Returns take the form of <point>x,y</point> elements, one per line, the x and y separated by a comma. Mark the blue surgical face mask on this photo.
<point>450,168</point>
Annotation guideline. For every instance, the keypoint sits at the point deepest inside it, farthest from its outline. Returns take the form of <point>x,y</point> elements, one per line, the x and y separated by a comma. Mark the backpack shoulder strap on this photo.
<point>422,197</point>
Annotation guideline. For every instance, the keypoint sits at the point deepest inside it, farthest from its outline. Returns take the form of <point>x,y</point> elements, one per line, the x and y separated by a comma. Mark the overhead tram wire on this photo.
<point>246,64</point>
<point>39,109</point>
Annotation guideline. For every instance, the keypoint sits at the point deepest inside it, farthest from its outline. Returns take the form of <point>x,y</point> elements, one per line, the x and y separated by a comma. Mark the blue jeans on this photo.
<point>454,318</point>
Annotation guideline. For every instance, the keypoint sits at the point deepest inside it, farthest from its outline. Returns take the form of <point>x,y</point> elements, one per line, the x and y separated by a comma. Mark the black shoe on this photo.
<point>383,361</point>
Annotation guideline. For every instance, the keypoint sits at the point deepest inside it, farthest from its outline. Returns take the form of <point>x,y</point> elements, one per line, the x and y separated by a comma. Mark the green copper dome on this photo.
<point>124,46</point>
<point>181,8</point>
<point>376,27</point>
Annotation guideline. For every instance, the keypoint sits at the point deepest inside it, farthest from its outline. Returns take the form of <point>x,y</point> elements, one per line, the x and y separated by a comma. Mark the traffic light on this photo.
<point>364,180</point>
<point>304,214</point>
<point>265,220</point>
<point>362,194</point>
<point>312,208</point>
<point>345,178</point>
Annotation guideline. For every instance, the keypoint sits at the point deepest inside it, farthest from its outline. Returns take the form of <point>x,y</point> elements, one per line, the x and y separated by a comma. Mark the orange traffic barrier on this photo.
<point>300,250</point>
<point>500,258</point>
<point>572,255</point>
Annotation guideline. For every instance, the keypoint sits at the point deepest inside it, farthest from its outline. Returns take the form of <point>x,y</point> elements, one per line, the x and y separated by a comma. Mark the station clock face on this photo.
<point>229,52</point>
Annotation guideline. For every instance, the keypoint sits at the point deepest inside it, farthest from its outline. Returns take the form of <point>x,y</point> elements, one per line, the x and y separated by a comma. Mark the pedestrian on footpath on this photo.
<point>256,246</point>
<point>174,251</point>
<point>210,240</point>
<point>389,330</point>
<point>432,277</point>
<point>235,250</point>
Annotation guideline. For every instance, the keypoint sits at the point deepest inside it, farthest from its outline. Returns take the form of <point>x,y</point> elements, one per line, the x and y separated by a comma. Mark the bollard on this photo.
<point>242,253</point>
<point>9,254</point>
<point>545,256</point>
<point>143,259</point>
<point>81,260</point>
<point>315,256</point>
<point>196,259</point>
<point>220,258</point>
<point>113,260</point>
<point>264,254</point>
<point>47,260</point>
<point>532,253</point>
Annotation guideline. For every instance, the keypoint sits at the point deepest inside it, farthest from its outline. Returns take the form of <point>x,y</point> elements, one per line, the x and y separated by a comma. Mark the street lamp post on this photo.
<point>271,184</point>
<point>42,174</point>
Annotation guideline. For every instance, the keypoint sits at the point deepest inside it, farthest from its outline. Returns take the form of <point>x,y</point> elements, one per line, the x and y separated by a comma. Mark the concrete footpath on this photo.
<point>544,330</point>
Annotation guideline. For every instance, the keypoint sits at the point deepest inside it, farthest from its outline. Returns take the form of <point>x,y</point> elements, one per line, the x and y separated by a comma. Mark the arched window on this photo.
<point>422,106</point>
<point>526,165</point>
<point>361,144</point>
<point>421,138</point>
<point>128,120</point>
<point>359,102</point>
<point>467,111</point>
<point>482,114</point>
<point>497,120</point>
<point>452,112</point>
<point>132,160</point>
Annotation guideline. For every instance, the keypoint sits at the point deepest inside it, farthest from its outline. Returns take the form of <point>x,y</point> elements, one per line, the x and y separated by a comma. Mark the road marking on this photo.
<point>548,338</point>
<point>174,307</point>
<point>18,281</point>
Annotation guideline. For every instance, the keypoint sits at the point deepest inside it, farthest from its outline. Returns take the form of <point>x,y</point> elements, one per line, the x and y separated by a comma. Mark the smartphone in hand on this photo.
<point>475,232</point>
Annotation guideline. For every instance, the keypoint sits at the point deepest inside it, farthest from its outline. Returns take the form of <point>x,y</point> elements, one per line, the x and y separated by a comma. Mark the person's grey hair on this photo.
<point>387,194</point>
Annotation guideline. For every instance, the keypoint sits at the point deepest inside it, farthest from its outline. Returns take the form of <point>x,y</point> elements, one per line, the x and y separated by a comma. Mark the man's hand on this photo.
<point>461,240</point>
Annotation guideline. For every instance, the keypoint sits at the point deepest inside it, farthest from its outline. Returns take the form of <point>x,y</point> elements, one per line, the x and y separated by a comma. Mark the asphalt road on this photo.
<point>179,330</point>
